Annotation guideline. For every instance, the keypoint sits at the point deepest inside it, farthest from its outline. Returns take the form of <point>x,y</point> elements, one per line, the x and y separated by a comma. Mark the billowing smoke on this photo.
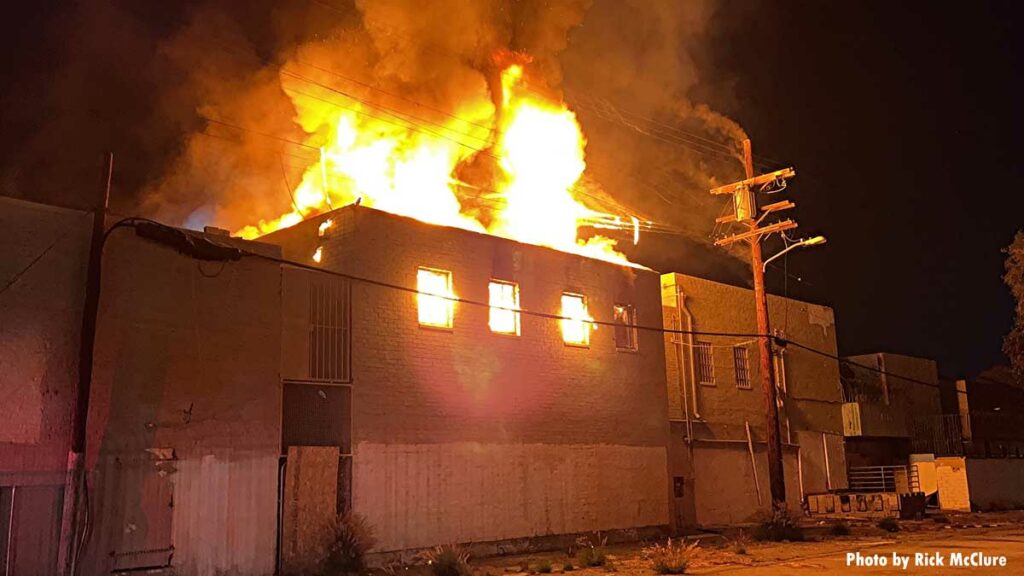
<point>622,66</point>
<point>207,132</point>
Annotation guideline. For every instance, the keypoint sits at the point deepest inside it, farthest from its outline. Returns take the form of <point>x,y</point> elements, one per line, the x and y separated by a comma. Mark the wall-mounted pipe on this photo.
<point>681,382</point>
<point>681,304</point>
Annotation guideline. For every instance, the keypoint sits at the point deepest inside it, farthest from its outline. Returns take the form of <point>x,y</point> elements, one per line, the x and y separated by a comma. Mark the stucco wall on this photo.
<point>548,438</point>
<point>185,409</point>
<point>43,255</point>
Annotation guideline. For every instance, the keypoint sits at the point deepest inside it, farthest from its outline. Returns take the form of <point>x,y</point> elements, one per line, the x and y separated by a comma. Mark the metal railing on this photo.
<point>901,479</point>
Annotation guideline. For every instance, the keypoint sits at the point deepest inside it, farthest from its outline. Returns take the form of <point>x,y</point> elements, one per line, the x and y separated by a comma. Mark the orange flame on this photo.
<point>401,168</point>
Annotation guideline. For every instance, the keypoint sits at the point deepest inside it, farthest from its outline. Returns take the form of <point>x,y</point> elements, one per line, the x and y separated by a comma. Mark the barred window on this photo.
<point>625,327</point>
<point>741,361</point>
<point>329,329</point>
<point>705,363</point>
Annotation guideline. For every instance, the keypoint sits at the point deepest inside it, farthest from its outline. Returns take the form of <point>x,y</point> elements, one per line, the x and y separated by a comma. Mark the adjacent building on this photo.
<point>893,409</point>
<point>717,402</point>
<point>45,250</point>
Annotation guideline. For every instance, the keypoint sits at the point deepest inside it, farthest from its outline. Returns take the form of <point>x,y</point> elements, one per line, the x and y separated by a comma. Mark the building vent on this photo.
<point>329,330</point>
<point>316,415</point>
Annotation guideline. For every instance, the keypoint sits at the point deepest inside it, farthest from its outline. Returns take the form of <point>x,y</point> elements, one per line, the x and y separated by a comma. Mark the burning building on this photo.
<point>487,407</point>
<point>445,384</point>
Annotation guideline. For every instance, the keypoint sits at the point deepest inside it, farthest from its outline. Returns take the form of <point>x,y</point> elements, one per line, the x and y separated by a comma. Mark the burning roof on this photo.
<point>509,165</point>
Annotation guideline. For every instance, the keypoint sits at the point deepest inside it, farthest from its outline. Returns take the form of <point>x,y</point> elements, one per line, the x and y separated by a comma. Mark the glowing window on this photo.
<point>625,326</point>
<point>576,326</point>
<point>504,301</point>
<point>435,289</point>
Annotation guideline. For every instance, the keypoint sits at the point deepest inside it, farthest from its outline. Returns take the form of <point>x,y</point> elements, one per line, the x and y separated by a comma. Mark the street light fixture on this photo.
<point>812,241</point>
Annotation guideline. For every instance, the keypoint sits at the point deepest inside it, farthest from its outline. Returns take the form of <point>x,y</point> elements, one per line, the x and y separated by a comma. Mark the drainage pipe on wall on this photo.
<point>681,304</point>
<point>678,341</point>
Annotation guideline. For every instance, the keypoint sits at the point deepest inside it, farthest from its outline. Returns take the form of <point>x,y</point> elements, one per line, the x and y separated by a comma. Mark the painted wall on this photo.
<point>184,426</point>
<point>44,251</point>
<point>464,434</point>
<point>43,256</point>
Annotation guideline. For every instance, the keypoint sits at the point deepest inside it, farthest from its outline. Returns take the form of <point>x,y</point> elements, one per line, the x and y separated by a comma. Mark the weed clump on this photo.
<point>889,524</point>
<point>840,529</point>
<point>448,560</point>
<point>351,539</point>
<point>671,558</point>
<point>779,527</point>
<point>740,543</point>
<point>592,551</point>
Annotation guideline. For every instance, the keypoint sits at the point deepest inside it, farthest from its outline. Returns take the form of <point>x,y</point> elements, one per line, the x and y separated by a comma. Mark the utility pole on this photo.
<point>74,481</point>
<point>746,211</point>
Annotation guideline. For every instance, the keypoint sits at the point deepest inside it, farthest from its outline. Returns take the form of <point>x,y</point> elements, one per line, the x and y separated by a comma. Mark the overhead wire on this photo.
<point>38,258</point>
<point>411,122</point>
<point>749,337</point>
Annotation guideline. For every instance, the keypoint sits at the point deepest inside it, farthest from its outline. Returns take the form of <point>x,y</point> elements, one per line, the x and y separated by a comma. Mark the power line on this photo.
<point>385,109</point>
<point>780,341</point>
<point>186,244</point>
<point>393,95</point>
<point>784,342</point>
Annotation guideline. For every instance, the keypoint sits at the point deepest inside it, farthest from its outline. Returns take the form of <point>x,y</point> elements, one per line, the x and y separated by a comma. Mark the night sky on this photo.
<point>903,120</point>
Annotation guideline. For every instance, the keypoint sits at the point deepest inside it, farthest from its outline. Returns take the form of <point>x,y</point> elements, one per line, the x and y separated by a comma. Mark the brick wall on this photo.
<point>720,411</point>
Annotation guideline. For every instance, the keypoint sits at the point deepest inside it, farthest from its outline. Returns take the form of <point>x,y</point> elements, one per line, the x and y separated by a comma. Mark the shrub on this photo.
<point>448,560</point>
<point>740,543</point>
<point>592,557</point>
<point>840,529</point>
<point>889,524</point>
<point>672,558</point>
<point>779,527</point>
<point>352,537</point>
<point>591,551</point>
<point>568,567</point>
<point>544,567</point>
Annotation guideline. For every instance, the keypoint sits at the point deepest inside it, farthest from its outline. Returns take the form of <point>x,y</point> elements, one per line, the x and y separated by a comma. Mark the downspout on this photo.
<point>678,342</point>
<point>828,467</point>
<point>681,303</point>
